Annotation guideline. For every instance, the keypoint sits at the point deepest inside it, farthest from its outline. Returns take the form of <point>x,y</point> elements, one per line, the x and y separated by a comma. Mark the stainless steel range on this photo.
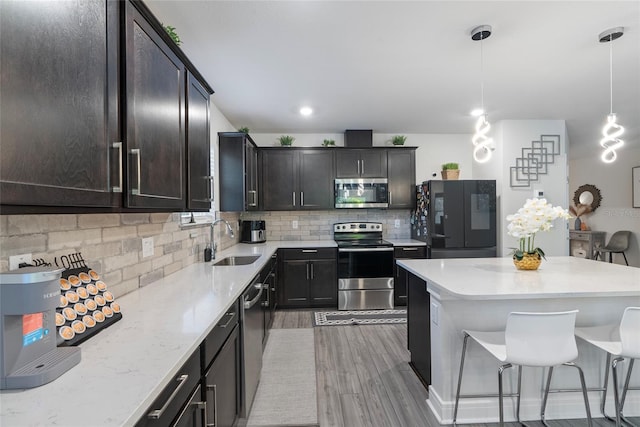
<point>365,266</point>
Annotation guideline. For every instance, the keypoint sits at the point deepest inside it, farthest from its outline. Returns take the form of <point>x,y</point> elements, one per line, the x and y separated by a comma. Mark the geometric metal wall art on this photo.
<point>534,161</point>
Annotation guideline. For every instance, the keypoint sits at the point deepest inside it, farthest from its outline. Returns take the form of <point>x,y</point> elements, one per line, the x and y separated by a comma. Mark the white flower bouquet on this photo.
<point>536,215</point>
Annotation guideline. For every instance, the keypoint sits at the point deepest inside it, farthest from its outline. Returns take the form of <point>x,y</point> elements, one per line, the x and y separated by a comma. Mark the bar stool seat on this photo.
<point>529,339</point>
<point>621,341</point>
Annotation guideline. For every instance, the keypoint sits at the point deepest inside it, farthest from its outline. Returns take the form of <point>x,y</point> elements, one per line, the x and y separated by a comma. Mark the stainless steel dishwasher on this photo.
<point>252,319</point>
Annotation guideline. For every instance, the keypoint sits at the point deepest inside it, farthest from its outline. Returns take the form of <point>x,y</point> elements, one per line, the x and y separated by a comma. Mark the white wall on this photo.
<point>614,182</point>
<point>510,136</point>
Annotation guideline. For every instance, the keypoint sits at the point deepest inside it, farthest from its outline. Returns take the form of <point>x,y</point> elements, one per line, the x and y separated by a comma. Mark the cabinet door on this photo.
<point>323,283</point>
<point>480,213</point>
<point>401,172</point>
<point>347,163</point>
<point>315,170</point>
<point>400,274</point>
<point>279,180</point>
<point>59,103</point>
<point>221,384</point>
<point>418,327</point>
<point>198,146</point>
<point>294,289</point>
<point>155,117</point>
<point>373,163</point>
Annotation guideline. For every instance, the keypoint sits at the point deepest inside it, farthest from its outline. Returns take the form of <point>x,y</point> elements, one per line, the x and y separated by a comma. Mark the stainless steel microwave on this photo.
<point>361,193</point>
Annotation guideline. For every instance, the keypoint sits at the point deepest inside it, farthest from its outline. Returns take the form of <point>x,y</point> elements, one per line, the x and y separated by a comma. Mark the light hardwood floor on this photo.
<point>364,378</point>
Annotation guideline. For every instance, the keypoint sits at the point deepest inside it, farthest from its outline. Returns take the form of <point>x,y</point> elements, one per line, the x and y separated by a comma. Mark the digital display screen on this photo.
<point>32,328</point>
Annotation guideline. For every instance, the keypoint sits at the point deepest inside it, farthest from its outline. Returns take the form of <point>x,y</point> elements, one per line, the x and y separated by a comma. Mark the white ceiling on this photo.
<point>411,66</point>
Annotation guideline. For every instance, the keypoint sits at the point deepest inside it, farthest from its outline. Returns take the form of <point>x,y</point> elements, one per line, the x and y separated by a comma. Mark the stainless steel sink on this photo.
<point>237,260</point>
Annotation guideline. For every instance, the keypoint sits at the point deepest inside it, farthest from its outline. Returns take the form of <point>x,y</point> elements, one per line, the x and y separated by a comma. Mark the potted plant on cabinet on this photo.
<point>244,130</point>
<point>328,143</point>
<point>286,140</point>
<point>450,171</point>
<point>398,140</point>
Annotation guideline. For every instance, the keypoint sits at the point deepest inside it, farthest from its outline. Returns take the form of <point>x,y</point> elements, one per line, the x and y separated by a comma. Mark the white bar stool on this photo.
<point>622,341</point>
<point>530,339</point>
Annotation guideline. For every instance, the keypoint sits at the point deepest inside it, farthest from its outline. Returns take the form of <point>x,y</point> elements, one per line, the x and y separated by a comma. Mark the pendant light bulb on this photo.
<point>611,131</point>
<point>482,144</point>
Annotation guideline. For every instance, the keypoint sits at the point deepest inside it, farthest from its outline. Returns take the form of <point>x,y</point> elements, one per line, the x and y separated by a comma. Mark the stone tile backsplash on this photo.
<point>112,243</point>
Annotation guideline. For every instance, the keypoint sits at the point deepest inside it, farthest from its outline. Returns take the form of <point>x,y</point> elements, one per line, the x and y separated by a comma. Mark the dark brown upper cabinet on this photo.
<point>155,117</point>
<point>361,163</point>
<point>59,105</point>
<point>297,179</point>
<point>401,173</point>
<point>238,172</point>
<point>94,110</point>
<point>200,193</point>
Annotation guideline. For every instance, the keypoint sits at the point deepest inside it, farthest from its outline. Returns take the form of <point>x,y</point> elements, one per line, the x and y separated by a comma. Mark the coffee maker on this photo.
<point>253,231</point>
<point>29,356</point>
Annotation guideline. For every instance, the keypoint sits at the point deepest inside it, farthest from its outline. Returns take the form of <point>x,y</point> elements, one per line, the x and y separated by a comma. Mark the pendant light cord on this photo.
<point>611,75</point>
<point>481,74</point>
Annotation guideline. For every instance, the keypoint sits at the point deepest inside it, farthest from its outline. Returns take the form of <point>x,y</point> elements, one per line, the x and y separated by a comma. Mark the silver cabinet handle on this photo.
<point>230,314</point>
<point>294,198</point>
<point>312,273</point>
<point>254,198</point>
<point>358,167</point>
<point>310,251</point>
<point>202,406</point>
<point>307,271</point>
<point>157,413</point>
<point>210,178</point>
<point>409,249</point>
<point>362,173</point>
<point>214,389</point>
<point>118,146</point>
<point>302,198</point>
<point>390,197</point>
<point>136,152</point>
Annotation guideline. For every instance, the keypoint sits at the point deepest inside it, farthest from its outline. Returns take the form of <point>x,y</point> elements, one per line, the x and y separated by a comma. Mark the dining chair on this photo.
<point>529,339</point>
<point>618,244</point>
<point>621,341</point>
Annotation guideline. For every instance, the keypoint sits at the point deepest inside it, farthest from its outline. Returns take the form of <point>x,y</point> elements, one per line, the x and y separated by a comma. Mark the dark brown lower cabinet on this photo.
<point>222,381</point>
<point>400,274</point>
<point>418,327</point>
<point>308,278</point>
<point>178,401</point>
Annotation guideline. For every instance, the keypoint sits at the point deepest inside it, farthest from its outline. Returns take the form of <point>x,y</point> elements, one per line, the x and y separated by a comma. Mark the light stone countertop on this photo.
<point>406,242</point>
<point>126,365</point>
<point>498,278</point>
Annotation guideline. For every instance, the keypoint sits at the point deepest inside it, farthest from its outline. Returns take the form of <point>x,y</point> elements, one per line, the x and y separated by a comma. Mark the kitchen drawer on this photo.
<point>308,253</point>
<point>218,335</point>
<point>174,396</point>
<point>410,252</point>
<point>579,236</point>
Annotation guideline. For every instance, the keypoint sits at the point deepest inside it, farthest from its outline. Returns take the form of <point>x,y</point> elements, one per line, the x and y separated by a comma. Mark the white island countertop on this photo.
<point>126,365</point>
<point>498,278</point>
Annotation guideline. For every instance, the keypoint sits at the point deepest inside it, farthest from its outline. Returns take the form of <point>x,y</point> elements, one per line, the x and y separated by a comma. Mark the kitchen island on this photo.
<point>480,293</point>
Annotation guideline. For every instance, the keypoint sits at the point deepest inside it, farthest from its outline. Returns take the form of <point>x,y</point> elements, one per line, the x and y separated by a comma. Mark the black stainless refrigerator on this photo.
<point>457,219</point>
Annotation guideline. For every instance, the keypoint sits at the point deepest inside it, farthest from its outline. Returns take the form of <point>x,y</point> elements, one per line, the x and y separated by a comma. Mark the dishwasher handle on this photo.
<point>247,304</point>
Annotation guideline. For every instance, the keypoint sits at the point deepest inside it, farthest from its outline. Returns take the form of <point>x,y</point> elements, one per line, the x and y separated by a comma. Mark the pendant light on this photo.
<point>611,131</point>
<point>482,144</point>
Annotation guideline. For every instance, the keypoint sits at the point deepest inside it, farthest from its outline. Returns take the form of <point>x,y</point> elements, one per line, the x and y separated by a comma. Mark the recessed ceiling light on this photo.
<point>477,112</point>
<point>306,111</point>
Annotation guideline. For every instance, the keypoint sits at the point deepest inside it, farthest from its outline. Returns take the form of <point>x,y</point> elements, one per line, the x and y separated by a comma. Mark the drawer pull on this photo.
<point>118,146</point>
<point>409,249</point>
<point>214,389</point>
<point>310,251</point>
<point>231,317</point>
<point>157,413</point>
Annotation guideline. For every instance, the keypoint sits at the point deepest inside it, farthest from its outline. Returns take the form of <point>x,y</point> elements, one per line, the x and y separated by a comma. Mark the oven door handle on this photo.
<point>386,249</point>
